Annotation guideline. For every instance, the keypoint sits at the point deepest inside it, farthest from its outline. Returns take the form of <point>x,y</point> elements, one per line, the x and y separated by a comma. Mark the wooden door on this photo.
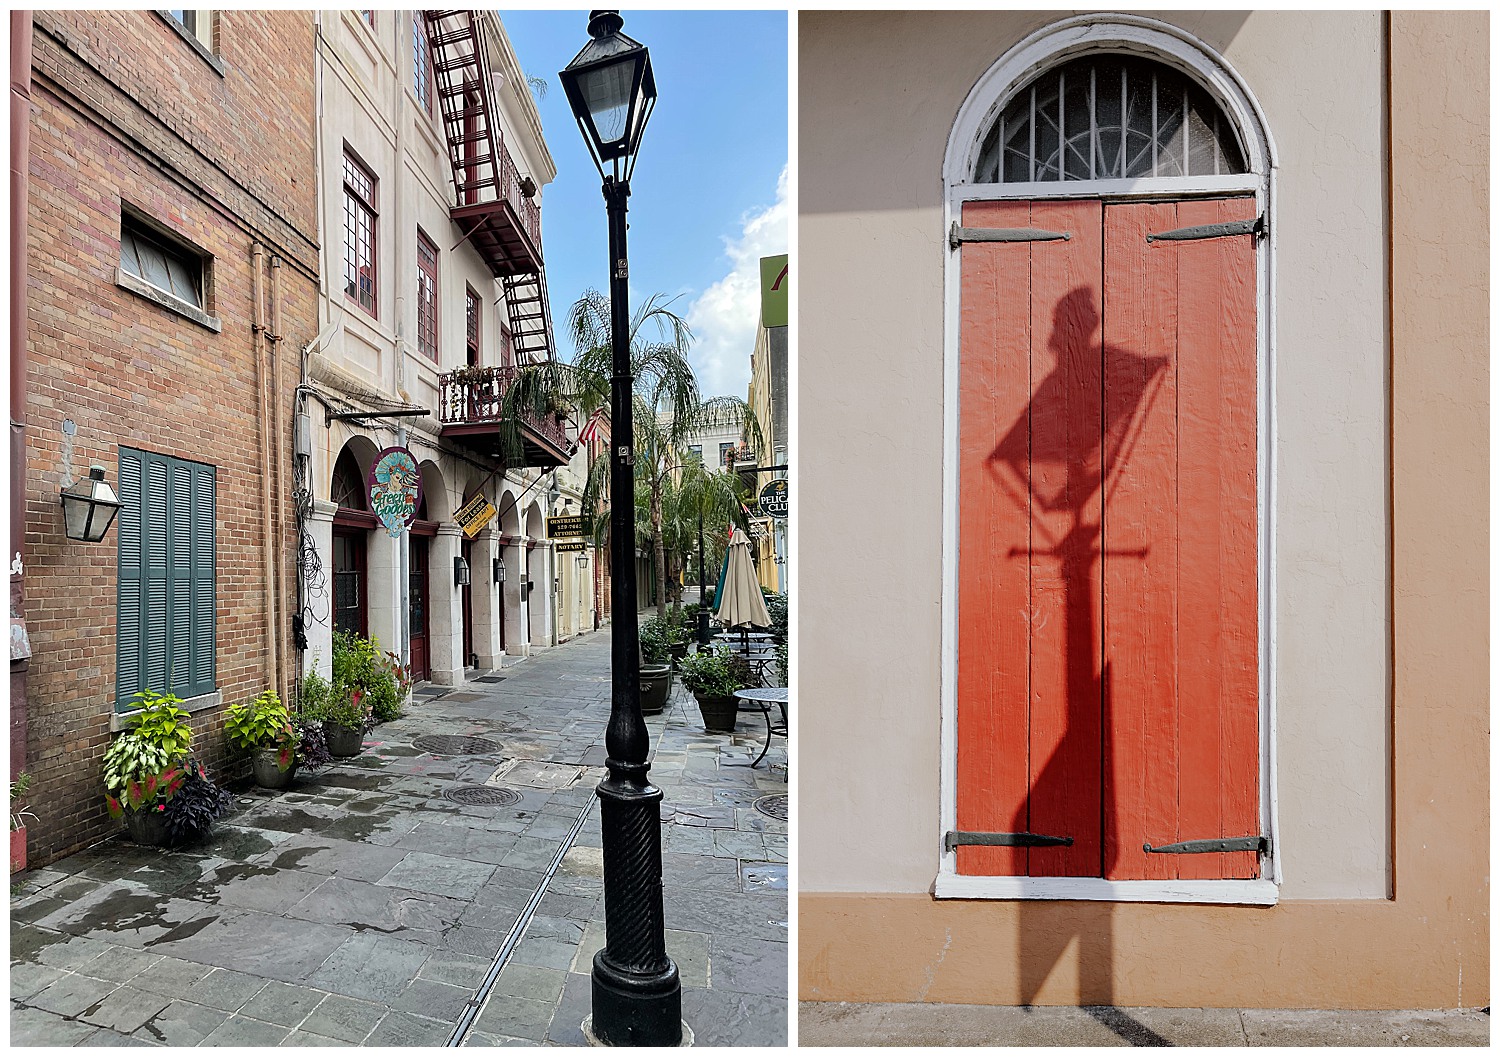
<point>467,549</point>
<point>1107,455</point>
<point>418,599</point>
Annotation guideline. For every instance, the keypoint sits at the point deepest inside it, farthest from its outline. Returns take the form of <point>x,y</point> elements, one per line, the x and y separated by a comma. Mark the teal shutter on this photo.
<point>128,622</point>
<point>166,599</point>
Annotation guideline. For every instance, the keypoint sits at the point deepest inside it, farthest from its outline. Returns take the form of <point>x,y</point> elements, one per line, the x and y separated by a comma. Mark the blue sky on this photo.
<point>708,197</point>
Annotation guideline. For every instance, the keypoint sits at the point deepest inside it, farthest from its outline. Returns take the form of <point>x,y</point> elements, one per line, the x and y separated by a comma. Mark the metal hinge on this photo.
<point>954,838</point>
<point>1200,847</point>
<point>1257,226</point>
<point>958,235</point>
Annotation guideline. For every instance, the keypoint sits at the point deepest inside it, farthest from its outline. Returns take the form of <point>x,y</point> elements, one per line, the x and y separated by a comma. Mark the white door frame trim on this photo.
<point>1048,46</point>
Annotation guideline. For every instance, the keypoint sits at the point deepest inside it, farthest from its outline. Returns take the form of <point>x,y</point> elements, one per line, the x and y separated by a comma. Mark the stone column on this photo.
<point>383,556</point>
<point>445,632</point>
<point>540,599</point>
<point>487,599</point>
<point>319,655</point>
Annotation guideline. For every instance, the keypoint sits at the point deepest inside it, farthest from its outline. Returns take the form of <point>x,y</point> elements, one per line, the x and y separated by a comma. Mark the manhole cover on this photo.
<point>490,679</point>
<point>774,806</point>
<point>481,795</point>
<point>455,745</point>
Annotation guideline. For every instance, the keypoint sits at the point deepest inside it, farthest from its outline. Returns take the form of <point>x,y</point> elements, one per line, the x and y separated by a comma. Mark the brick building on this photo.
<point>170,276</point>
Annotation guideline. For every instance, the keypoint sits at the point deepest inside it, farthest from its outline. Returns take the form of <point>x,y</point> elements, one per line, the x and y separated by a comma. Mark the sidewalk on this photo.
<point>370,903</point>
<point>893,1024</point>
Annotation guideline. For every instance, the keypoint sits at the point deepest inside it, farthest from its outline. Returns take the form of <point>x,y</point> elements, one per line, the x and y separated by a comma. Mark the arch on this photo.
<point>355,458</point>
<point>1123,34</point>
<point>436,502</point>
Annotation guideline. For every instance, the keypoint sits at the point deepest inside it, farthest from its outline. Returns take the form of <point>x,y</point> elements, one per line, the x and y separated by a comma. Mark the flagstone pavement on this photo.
<point>363,907</point>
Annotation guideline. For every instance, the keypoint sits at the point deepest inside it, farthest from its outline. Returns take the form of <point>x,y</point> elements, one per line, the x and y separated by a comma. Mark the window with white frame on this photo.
<point>359,233</point>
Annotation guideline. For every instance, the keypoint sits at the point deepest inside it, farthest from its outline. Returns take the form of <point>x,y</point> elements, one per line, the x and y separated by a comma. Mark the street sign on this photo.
<point>474,514</point>
<point>395,488</point>
<point>569,525</point>
<point>774,499</point>
<point>568,545</point>
<point>774,279</point>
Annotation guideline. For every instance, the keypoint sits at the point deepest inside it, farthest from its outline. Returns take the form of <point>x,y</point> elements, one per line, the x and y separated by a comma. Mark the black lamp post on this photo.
<point>637,996</point>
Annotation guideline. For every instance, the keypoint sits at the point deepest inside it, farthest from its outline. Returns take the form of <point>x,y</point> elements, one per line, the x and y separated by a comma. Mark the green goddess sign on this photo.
<point>395,489</point>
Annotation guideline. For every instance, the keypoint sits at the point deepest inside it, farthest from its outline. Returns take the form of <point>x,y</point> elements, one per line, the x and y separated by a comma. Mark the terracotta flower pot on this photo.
<point>18,850</point>
<point>343,741</point>
<point>148,828</point>
<point>656,684</point>
<point>718,713</point>
<point>267,774</point>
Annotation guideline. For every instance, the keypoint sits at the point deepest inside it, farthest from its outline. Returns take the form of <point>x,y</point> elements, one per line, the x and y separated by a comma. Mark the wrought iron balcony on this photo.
<point>471,407</point>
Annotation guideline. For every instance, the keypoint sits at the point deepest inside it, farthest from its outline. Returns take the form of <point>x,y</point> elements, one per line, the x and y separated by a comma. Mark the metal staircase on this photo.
<point>493,206</point>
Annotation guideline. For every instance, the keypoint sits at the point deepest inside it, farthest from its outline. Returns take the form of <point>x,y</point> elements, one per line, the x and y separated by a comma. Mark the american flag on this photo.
<point>590,428</point>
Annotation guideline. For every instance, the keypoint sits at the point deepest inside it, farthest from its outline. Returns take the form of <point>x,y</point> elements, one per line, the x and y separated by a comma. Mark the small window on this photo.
<point>696,451</point>
<point>421,64</point>
<point>359,233</point>
<point>724,449</point>
<point>427,297</point>
<point>151,258</point>
<point>199,25</point>
<point>474,307</point>
<point>369,17</point>
<point>1109,117</point>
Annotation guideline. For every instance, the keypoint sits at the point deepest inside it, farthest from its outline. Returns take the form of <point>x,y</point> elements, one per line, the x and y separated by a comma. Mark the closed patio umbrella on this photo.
<point>739,599</point>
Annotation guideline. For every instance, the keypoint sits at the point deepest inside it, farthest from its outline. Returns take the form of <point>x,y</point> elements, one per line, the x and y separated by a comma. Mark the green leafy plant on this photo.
<point>263,723</point>
<point>365,676</point>
<point>718,672</point>
<point>310,704</point>
<point>198,802</point>
<point>776,606</point>
<point>653,643</point>
<point>143,767</point>
<point>19,811</point>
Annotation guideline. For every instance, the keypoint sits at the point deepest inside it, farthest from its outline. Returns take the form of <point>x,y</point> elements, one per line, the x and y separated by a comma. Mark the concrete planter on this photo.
<point>718,713</point>
<point>267,774</point>
<point>343,741</point>
<point>656,685</point>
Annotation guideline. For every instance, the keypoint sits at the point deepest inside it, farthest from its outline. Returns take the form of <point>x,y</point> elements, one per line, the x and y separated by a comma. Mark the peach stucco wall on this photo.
<point>1380,532</point>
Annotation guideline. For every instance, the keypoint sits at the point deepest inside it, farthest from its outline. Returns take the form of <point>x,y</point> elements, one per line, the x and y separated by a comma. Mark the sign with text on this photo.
<point>395,486</point>
<point>569,525</point>
<point>774,279</point>
<point>568,545</point>
<point>474,514</point>
<point>774,499</point>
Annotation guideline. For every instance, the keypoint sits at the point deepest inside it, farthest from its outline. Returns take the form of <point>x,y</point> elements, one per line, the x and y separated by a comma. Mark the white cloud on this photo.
<point>724,317</point>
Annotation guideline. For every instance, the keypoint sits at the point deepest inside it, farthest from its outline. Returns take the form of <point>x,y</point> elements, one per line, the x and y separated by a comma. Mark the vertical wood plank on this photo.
<point>1140,540</point>
<point>1065,471</point>
<point>994,534</point>
<point>1218,707</point>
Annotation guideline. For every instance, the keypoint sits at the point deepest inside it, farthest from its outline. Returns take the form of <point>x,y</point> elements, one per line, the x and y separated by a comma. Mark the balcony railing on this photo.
<point>476,395</point>
<point>526,208</point>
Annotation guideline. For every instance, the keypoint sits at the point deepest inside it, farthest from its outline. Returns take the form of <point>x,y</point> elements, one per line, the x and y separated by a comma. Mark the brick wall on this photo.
<point>126,110</point>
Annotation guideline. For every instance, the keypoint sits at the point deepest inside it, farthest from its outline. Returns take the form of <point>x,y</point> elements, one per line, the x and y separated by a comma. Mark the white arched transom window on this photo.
<point>1108,116</point>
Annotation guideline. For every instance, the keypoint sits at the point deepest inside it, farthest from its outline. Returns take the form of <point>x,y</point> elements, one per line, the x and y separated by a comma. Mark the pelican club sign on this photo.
<point>395,489</point>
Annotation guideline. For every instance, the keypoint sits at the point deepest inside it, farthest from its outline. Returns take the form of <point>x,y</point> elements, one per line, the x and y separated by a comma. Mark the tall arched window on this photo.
<point>1108,185</point>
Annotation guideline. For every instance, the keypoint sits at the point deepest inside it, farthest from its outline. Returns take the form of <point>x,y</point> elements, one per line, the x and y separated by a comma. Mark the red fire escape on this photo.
<point>495,208</point>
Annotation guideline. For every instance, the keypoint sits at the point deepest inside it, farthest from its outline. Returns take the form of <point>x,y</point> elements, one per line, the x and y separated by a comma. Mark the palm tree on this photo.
<point>668,406</point>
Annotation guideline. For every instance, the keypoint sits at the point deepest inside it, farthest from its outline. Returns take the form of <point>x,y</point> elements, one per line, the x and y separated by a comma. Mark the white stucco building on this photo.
<point>431,165</point>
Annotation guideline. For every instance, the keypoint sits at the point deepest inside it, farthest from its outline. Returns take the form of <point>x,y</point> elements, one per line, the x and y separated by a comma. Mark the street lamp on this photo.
<point>637,995</point>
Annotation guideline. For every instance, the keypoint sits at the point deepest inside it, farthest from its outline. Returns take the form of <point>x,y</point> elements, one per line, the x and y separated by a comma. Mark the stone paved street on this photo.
<point>363,907</point>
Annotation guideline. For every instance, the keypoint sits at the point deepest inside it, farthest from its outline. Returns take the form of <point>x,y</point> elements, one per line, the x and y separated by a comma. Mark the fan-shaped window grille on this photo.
<point>1109,117</point>
<point>348,488</point>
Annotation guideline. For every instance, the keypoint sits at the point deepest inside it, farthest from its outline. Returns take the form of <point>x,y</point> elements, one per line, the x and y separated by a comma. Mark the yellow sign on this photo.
<point>774,280</point>
<point>474,514</point>
<point>568,545</point>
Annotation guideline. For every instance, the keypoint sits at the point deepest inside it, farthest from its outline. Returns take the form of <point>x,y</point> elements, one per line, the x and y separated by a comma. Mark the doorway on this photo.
<point>420,667</point>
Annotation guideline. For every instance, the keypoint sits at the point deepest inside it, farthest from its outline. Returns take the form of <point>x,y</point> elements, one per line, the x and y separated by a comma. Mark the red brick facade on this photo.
<point>217,150</point>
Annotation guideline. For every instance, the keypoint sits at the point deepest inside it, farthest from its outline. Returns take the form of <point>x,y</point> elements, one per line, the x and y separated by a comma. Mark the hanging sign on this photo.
<point>774,499</point>
<point>474,514</point>
<point>569,525</point>
<point>773,286</point>
<point>395,486</point>
<point>568,545</point>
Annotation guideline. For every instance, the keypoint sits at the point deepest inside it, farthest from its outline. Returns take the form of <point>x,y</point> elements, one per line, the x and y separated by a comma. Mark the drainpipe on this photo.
<point>20,154</point>
<point>258,338</point>
<point>278,480</point>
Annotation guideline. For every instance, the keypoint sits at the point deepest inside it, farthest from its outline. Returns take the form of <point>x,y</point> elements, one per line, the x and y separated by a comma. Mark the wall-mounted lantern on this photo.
<point>460,572</point>
<point>499,570</point>
<point>89,507</point>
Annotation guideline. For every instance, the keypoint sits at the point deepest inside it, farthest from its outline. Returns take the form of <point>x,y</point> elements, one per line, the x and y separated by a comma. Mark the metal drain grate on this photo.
<point>777,806</point>
<point>481,795</point>
<point>455,745</point>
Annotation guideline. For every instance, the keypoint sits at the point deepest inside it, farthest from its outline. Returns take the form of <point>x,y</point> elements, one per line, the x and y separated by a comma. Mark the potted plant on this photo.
<point>263,728</point>
<point>19,813</point>
<point>656,669</point>
<point>148,766</point>
<point>343,713</point>
<point>358,665</point>
<point>713,676</point>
